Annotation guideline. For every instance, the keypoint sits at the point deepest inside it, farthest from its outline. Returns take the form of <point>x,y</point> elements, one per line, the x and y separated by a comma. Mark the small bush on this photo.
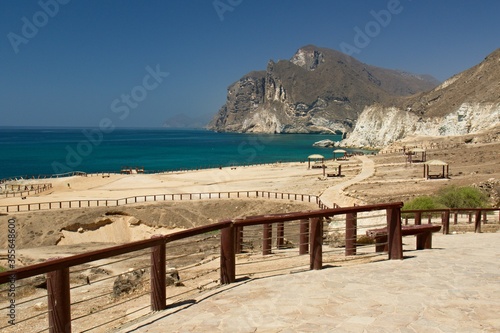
<point>422,203</point>
<point>462,197</point>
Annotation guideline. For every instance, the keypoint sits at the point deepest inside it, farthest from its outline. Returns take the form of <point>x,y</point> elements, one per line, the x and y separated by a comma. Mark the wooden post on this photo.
<point>304,237</point>
<point>158,271</point>
<point>316,255</point>
<point>350,234</point>
<point>418,218</point>
<point>238,239</point>
<point>267,238</point>
<point>280,235</point>
<point>394,236</point>
<point>477,223</point>
<point>59,304</point>
<point>455,218</point>
<point>227,256</point>
<point>484,217</point>
<point>446,222</point>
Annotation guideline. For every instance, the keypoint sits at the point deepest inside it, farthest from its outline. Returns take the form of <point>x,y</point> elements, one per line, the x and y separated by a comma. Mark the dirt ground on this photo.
<point>397,180</point>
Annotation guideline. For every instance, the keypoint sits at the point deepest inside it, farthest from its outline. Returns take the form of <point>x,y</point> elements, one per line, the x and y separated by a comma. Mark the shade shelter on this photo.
<point>315,158</point>
<point>337,170</point>
<point>415,152</point>
<point>435,164</point>
<point>341,152</point>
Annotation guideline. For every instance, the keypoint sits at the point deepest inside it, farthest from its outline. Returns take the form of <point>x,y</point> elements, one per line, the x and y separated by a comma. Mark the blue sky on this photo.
<point>70,63</point>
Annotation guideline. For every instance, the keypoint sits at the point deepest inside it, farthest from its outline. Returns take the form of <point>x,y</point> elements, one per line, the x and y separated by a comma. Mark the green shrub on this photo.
<point>462,197</point>
<point>423,202</point>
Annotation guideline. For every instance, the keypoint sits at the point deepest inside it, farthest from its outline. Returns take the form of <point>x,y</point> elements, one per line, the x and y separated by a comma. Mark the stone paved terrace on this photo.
<point>454,287</point>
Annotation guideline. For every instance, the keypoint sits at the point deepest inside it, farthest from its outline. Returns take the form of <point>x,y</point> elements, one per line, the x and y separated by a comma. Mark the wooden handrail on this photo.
<point>59,269</point>
<point>172,196</point>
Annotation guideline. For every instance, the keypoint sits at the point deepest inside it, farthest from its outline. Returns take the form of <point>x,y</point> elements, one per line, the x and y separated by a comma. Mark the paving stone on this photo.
<point>452,288</point>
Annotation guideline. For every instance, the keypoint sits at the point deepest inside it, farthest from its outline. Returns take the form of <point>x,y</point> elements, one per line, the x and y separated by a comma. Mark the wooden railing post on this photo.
<point>446,222</point>
<point>350,234</point>
<point>418,218</point>
<point>477,222</point>
<point>227,255</point>
<point>280,235</point>
<point>316,238</point>
<point>267,238</point>
<point>304,237</point>
<point>394,236</point>
<point>59,304</point>
<point>158,271</point>
<point>238,239</point>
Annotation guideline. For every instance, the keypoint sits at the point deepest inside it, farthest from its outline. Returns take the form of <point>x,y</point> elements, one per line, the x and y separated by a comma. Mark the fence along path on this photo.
<point>159,197</point>
<point>23,190</point>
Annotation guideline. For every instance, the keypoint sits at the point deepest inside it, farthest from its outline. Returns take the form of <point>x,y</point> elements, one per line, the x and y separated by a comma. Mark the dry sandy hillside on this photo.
<point>395,180</point>
<point>134,222</point>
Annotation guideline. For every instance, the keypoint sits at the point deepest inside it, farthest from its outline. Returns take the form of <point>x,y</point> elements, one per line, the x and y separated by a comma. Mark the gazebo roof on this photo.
<point>315,156</point>
<point>435,162</point>
<point>418,150</point>
<point>339,151</point>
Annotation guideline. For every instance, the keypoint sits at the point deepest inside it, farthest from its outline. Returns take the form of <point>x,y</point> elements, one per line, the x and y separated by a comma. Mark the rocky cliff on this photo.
<point>317,91</point>
<point>465,104</point>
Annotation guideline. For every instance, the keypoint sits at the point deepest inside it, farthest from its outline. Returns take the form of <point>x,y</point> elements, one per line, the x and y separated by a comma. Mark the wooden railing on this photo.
<point>57,270</point>
<point>41,176</point>
<point>160,197</point>
<point>479,215</point>
<point>23,190</point>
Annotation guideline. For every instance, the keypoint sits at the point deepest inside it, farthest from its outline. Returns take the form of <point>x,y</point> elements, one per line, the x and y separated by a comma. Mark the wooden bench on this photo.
<point>422,231</point>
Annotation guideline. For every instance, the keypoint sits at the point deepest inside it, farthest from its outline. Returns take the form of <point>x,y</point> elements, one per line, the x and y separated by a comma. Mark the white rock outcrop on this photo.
<point>379,126</point>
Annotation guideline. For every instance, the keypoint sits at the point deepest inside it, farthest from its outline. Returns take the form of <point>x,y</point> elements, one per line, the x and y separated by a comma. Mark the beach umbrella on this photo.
<point>314,157</point>
<point>339,151</point>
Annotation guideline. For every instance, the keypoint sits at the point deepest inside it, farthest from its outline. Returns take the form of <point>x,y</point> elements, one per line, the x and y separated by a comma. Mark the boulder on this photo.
<point>172,277</point>
<point>324,143</point>
<point>128,282</point>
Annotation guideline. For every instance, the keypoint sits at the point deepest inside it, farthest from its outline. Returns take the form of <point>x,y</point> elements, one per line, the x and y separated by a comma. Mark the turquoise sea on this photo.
<point>45,151</point>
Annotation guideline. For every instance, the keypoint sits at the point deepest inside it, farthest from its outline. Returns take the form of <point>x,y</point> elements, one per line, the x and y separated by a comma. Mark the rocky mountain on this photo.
<point>317,91</point>
<point>467,103</point>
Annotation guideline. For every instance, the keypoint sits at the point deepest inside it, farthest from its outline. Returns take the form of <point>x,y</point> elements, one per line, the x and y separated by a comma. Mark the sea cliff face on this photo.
<point>316,91</point>
<point>379,126</point>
